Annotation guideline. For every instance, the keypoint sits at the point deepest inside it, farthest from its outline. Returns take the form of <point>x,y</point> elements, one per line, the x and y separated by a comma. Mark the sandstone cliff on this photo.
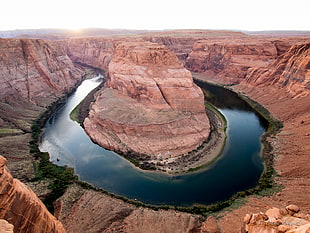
<point>229,60</point>
<point>22,208</point>
<point>33,74</point>
<point>291,71</point>
<point>95,52</point>
<point>34,69</point>
<point>149,105</point>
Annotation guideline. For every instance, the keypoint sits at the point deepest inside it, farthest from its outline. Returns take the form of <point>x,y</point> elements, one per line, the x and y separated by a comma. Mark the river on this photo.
<point>238,168</point>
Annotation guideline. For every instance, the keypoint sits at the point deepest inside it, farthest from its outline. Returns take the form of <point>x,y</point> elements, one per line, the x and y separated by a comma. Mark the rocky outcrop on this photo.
<point>6,227</point>
<point>276,220</point>
<point>149,105</point>
<point>22,208</point>
<point>291,71</point>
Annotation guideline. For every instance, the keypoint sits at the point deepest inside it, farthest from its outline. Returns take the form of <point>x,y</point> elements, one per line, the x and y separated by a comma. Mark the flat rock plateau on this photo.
<point>274,71</point>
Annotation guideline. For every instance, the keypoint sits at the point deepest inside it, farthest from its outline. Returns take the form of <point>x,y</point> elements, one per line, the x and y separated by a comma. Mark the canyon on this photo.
<point>272,71</point>
<point>34,74</point>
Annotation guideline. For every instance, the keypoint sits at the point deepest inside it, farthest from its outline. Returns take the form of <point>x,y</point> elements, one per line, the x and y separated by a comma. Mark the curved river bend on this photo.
<point>238,168</point>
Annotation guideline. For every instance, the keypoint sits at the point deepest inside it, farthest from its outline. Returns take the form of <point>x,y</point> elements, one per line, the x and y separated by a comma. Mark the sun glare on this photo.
<point>75,29</point>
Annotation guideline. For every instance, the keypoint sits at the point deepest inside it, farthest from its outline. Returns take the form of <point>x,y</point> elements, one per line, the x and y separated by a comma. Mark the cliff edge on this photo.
<point>22,208</point>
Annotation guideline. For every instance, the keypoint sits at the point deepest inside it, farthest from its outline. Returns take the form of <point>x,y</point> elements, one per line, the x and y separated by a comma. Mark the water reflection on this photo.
<point>238,168</point>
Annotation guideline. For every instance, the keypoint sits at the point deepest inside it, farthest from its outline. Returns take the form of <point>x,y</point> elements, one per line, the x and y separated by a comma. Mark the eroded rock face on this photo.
<point>34,69</point>
<point>230,59</point>
<point>149,105</point>
<point>33,74</point>
<point>291,71</point>
<point>22,208</point>
<point>95,52</point>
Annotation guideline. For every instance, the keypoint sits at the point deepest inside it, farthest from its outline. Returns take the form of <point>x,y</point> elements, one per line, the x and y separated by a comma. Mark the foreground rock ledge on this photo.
<point>149,105</point>
<point>20,206</point>
<point>276,220</point>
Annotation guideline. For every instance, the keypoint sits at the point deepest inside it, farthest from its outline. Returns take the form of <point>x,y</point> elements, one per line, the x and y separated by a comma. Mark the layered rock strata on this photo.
<point>34,69</point>
<point>22,208</point>
<point>291,71</point>
<point>149,105</point>
<point>33,74</point>
<point>230,60</point>
<point>290,146</point>
<point>95,52</point>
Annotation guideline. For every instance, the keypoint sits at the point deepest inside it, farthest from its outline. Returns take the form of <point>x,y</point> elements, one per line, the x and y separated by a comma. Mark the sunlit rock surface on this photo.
<point>149,105</point>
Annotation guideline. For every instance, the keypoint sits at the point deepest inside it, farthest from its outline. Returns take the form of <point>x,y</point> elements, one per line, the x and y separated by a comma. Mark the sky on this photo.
<point>251,15</point>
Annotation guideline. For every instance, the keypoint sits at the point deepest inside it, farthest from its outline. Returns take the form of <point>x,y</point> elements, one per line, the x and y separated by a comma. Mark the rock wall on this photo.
<point>33,74</point>
<point>22,208</point>
<point>149,105</point>
<point>95,52</point>
<point>291,71</point>
<point>33,69</point>
<point>229,60</point>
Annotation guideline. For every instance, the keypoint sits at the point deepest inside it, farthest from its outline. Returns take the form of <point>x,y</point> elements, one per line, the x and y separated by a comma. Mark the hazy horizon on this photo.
<point>241,15</point>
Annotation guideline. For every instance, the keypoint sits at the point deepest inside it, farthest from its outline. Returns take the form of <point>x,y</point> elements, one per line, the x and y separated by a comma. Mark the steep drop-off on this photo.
<point>22,208</point>
<point>291,71</point>
<point>34,69</point>
<point>95,52</point>
<point>33,74</point>
<point>290,146</point>
<point>229,60</point>
<point>149,105</point>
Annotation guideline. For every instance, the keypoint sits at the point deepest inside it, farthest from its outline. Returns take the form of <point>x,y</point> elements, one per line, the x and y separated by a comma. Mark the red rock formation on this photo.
<point>95,52</point>
<point>34,69</point>
<point>149,105</point>
<point>33,74</point>
<point>278,221</point>
<point>291,70</point>
<point>97,212</point>
<point>22,208</point>
<point>6,227</point>
<point>229,60</point>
